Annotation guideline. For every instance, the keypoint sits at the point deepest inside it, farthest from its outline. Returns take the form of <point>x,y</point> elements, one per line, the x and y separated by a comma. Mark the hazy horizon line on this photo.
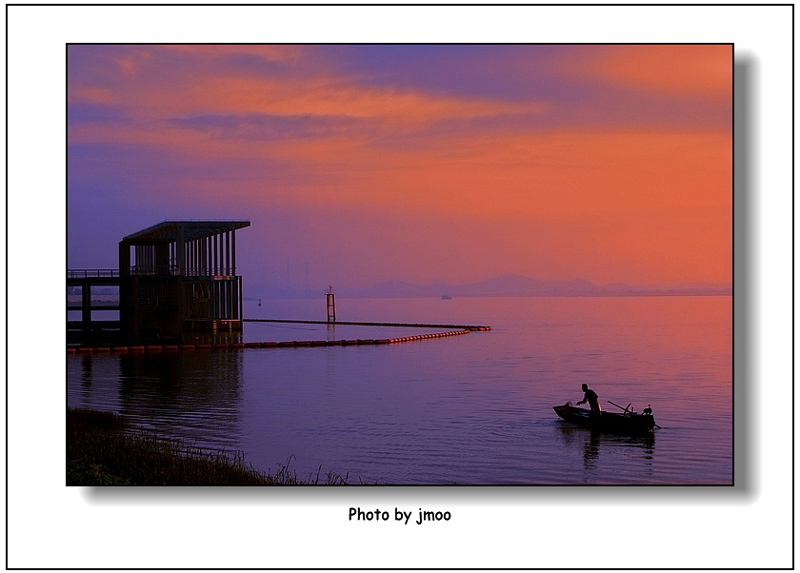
<point>501,285</point>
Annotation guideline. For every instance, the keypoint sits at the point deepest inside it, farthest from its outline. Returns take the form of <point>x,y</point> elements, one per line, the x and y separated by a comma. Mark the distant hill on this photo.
<point>503,285</point>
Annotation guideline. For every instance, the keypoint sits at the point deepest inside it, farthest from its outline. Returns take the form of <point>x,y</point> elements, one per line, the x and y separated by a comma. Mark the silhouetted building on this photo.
<point>180,276</point>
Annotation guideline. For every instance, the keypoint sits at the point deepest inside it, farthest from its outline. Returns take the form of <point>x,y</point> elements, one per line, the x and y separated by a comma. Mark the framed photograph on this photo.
<point>444,273</point>
<point>571,203</point>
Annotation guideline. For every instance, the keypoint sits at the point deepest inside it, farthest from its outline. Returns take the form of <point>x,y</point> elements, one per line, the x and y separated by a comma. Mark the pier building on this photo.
<point>175,277</point>
<point>180,276</point>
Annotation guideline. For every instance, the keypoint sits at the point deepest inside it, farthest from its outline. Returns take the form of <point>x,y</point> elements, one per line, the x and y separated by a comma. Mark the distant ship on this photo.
<point>447,297</point>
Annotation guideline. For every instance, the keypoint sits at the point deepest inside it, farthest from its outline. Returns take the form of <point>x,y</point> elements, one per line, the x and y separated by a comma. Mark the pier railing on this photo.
<point>92,273</point>
<point>142,270</point>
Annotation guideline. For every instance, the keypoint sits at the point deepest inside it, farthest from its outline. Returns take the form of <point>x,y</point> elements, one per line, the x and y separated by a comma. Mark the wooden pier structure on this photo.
<point>80,285</point>
<point>174,277</point>
<point>180,276</point>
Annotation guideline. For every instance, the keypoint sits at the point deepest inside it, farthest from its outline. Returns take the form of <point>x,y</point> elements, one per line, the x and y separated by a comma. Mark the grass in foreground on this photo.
<point>103,449</point>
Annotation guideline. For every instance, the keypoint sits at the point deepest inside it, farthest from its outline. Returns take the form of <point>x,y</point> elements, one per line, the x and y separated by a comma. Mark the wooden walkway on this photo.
<point>401,324</point>
<point>243,345</point>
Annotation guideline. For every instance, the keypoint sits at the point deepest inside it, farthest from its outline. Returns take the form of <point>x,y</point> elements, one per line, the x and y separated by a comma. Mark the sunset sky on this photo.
<point>455,163</point>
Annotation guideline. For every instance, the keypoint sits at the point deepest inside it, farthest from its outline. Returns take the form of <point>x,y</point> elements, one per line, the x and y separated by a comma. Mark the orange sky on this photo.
<point>358,164</point>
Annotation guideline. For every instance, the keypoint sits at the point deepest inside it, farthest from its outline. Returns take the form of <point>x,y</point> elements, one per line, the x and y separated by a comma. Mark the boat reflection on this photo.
<point>594,445</point>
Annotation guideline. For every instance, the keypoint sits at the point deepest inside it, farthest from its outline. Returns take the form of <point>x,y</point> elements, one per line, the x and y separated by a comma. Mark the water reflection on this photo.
<point>452,410</point>
<point>597,448</point>
<point>183,393</point>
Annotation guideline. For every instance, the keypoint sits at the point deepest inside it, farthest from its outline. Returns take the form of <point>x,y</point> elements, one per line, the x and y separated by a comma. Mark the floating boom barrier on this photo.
<point>467,327</point>
<point>286,344</point>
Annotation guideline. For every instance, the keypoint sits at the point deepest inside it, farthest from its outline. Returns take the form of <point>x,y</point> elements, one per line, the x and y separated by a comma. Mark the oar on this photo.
<point>620,407</point>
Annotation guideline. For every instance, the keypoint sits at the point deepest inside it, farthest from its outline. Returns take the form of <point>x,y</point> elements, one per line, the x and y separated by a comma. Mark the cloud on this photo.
<point>678,70</point>
<point>265,126</point>
<point>561,159</point>
<point>88,113</point>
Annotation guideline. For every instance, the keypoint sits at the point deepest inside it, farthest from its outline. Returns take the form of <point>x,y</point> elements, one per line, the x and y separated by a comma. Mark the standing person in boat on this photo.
<point>590,396</point>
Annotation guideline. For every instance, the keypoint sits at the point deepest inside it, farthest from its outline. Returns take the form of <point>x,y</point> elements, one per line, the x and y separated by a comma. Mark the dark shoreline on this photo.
<point>104,449</point>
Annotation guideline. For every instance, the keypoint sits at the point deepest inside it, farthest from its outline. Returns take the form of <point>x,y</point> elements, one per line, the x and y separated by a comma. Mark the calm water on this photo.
<point>472,409</point>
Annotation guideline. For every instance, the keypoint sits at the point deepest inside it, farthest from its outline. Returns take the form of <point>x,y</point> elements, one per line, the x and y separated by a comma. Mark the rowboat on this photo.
<point>627,422</point>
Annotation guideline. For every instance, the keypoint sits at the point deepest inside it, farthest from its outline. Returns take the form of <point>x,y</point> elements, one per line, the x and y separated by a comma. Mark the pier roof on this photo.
<point>187,230</point>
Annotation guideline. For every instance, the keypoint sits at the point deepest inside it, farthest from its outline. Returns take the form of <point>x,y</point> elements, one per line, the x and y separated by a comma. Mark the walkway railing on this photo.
<point>467,327</point>
<point>92,273</point>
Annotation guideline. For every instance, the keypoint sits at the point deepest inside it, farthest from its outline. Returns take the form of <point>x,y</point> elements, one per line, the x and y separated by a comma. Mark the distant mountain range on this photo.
<point>504,285</point>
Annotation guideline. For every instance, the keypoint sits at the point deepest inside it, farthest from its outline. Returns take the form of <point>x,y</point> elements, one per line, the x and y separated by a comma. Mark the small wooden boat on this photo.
<point>627,422</point>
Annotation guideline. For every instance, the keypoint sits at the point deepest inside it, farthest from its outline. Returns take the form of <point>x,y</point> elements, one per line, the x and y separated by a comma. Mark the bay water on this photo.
<point>472,409</point>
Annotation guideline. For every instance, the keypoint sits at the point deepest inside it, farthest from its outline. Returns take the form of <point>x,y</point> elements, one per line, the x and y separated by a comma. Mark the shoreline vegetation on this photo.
<point>104,449</point>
